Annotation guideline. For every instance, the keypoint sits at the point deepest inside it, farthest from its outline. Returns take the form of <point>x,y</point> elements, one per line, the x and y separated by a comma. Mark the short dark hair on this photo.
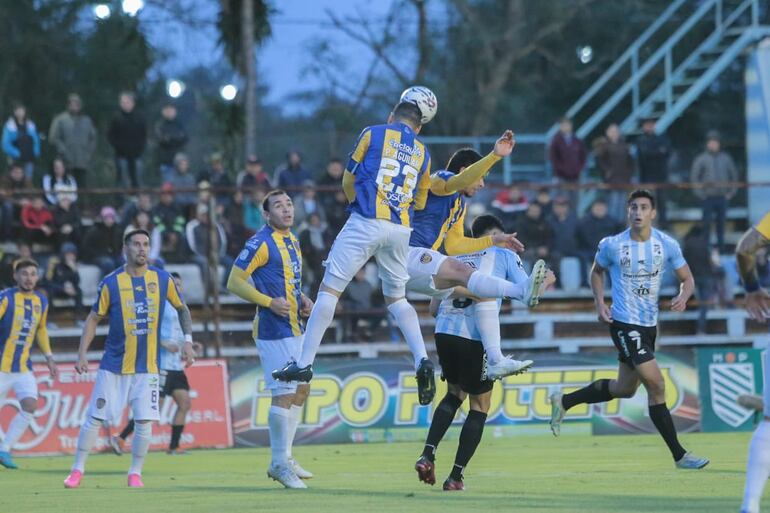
<point>176,275</point>
<point>484,223</point>
<point>23,263</point>
<point>463,157</point>
<point>266,201</point>
<point>138,231</point>
<point>409,112</point>
<point>642,193</point>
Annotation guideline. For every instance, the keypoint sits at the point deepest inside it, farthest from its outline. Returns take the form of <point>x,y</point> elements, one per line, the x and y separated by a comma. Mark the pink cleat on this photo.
<point>73,480</point>
<point>135,481</point>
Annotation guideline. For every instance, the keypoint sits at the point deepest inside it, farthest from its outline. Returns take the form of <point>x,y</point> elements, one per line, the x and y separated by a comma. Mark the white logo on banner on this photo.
<point>728,381</point>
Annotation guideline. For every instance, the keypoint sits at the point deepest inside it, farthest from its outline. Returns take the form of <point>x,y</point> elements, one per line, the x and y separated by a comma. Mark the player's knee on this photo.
<point>301,394</point>
<point>656,388</point>
<point>184,404</point>
<point>480,402</point>
<point>455,271</point>
<point>624,392</point>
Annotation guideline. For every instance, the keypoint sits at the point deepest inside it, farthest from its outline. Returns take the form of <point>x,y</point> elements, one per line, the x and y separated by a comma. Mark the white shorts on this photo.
<point>23,384</point>
<point>361,239</point>
<point>113,392</point>
<point>423,264</point>
<point>275,354</point>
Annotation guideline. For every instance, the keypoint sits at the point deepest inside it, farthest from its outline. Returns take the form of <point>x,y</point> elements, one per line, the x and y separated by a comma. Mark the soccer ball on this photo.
<point>424,99</point>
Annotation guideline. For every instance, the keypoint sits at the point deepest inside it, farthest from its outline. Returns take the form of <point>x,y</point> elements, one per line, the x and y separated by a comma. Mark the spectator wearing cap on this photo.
<point>59,183</point>
<point>36,221</point>
<point>12,199</point>
<point>218,178</point>
<point>709,168</point>
<point>202,242</point>
<point>62,279</point>
<point>66,221</point>
<point>653,153</point>
<point>103,242</point>
<point>169,219</point>
<point>307,203</point>
<point>292,175</point>
<point>564,224</point>
<point>73,135</point>
<point>20,140</point>
<point>172,138</point>
<point>567,155</point>
<point>254,176</point>
<point>183,183</point>
<point>128,136</point>
<point>592,228</point>
<point>613,156</point>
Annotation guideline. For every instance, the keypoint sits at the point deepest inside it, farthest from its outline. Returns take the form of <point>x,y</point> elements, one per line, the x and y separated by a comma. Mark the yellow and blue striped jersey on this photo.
<point>431,224</point>
<point>23,318</point>
<point>273,260</point>
<point>391,166</point>
<point>763,226</point>
<point>134,306</point>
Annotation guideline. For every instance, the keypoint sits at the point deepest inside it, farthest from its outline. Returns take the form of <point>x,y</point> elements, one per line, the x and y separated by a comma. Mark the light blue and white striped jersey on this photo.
<point>171,331</point>
<point>636,270</point>
<point>457,316</point>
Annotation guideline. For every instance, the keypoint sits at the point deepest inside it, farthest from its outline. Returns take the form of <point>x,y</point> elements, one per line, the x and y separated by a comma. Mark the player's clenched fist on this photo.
<point>280,306</point>
<point>605,314</point>
<point>81,367</point>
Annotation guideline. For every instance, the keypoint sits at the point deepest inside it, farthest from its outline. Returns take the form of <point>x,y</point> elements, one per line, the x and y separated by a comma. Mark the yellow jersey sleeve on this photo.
<point>763,226</point>
<point>3,306</point>
<point>42,333</point>
<point>357,156</point>
<point>465,178</point>
<point>423,187</point>
<point>349,186</point>
<point>259,259</point>
<point>103,304</point>
<point>172,294</point>
<point>238,283</point>
<point>456,243</point>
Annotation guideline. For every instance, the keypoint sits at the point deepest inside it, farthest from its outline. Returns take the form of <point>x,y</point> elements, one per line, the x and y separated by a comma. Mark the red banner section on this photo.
<point>63,402</point>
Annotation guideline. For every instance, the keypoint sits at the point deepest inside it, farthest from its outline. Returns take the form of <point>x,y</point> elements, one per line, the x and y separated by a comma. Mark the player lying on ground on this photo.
<point>758,307</point>
<point>386,179</point>
<point>133,298</point>
<point>462,357</point>
<point>23,318</point>
<point>441,224</point>
<point>636,260</point>
<point>268,273</point>
<point>173,380</point>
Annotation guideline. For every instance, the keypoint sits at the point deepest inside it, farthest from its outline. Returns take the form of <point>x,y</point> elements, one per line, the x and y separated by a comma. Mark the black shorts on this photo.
<point>635,344</point>
<point>463,363</point>
<point>172,380</point>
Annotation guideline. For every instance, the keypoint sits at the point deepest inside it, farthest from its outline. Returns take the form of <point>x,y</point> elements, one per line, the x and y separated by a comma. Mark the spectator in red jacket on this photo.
<point>36,221</point>
<point>568,155</point>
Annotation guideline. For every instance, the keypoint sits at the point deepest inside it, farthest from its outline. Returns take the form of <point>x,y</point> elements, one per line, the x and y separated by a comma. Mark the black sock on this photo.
<point>127,430</point>
<point>596,392</point>
<point>661,417</point>
<point>442,419</point>
<point>470,436</point>
<point>176,433</point>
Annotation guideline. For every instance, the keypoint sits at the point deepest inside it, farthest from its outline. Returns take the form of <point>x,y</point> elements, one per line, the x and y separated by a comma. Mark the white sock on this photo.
<point>757,468</point>
<point>17,427</point>
<point>139,446</point>
<point>294,414</point>
<point>488,324</point>
<point>278,421</point>
<point>320,318</point>
<point>409,324</point>
<point>89,432</point>
<point>483,285</point>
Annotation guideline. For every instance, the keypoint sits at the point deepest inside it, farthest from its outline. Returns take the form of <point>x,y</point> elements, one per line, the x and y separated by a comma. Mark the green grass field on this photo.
<point>574,473</point>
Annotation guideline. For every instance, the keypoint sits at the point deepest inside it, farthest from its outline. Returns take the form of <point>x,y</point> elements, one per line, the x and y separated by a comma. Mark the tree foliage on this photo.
<point>229,26</point>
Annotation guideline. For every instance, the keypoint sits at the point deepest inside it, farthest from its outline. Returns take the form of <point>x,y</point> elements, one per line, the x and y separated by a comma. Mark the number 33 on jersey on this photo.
<point>392,173</point>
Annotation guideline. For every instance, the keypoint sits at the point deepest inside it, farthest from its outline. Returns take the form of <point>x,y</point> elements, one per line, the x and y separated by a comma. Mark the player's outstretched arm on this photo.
<point>477,170</point>
<point>757,298</point>
<point>597,288</point>
<point>89,332</point>
<point>44,343</point>
<point>686,288</point>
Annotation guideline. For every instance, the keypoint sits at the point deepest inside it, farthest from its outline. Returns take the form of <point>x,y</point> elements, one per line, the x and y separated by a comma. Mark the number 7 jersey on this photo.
<point>392,173</point>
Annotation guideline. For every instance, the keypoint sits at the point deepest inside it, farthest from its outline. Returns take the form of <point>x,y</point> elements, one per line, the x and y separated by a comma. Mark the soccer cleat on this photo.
<point>535,284</point>
<point>507,367</point>
<point>293,373</point>
<point>557,413</point>
<point>426,470</point>
<point>751,401</point>
<point>284,474</point>
<point>453,485</point>
<point>117,445</point>
<point>426,382</point>
<point>301,472</point>
<point>135,481</point>
<point>176,452</point>
<point>6,460</point>
<point>691,462</point>
<point>73,480</point>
